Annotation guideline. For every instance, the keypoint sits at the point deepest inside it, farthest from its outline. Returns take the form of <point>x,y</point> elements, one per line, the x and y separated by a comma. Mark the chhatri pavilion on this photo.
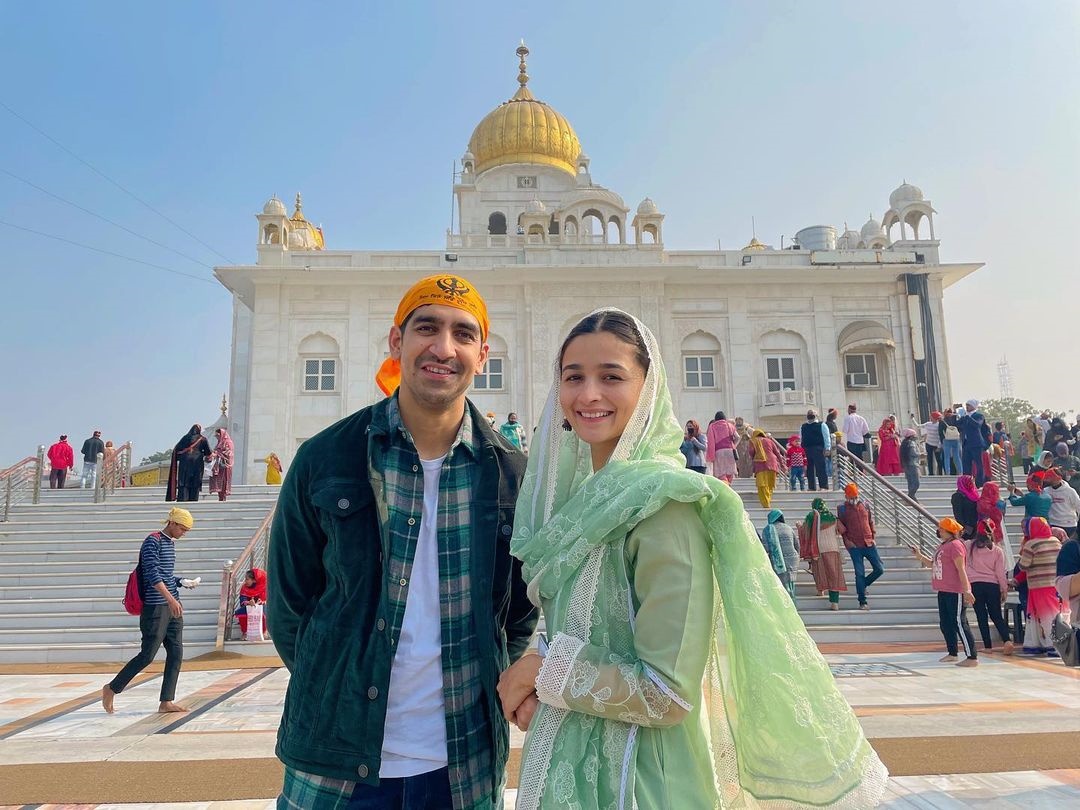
<point>758,332</point>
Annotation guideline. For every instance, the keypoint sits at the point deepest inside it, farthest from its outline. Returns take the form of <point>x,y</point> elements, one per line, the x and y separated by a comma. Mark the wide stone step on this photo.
<point>135,525</point>
<point>114,634</point>
<point>77,619</point>
<point>106,599</point>
<point>873,633</point>
<point>116,652</point>
<point>46,574</point>
<point>810,604</point>
<point>105,535</point>
<point>126,556</point>
<point>805,585</point>
<point>849,614</point>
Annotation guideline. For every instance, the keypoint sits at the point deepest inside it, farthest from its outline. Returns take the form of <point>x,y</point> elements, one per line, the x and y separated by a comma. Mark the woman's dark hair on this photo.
<point>719,416</point>
<point>250,574</point>
<point>982,539</point>
<point>618,324</point>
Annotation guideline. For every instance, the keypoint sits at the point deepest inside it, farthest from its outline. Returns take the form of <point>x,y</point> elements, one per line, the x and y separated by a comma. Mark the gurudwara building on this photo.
<point>758,332</point>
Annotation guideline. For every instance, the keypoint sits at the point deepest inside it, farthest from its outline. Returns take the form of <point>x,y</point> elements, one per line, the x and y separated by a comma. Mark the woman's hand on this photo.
<point>524,714</point>
<point>518,682</point>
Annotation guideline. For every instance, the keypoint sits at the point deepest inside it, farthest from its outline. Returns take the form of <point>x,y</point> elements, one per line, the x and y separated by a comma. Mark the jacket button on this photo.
<point>412,521</point>
<point>415,468</point>
<point>403,582</point>
<point>362,771</point>
<point>380,625</point>
<point>372,693</point>
<point>343,503</point>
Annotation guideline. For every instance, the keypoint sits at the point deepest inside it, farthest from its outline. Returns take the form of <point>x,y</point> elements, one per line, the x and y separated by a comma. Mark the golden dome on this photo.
<point>524,130</point>
<point>303,235</point>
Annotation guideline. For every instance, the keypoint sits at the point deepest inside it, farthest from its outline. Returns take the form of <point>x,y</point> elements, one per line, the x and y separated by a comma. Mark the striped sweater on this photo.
<point>1039,558</point>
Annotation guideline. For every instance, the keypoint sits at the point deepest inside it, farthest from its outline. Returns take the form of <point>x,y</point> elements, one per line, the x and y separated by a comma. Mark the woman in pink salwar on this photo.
<point>722,438</point>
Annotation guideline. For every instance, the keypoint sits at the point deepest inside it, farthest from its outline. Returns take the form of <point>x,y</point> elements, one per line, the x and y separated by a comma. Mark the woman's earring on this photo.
<point>566,425</point>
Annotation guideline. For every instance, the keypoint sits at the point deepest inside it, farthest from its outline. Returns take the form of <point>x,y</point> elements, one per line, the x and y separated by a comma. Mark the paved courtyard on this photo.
<point>1003,735</point>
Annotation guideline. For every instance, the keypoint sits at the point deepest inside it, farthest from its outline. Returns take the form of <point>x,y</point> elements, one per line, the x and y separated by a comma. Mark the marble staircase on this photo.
<point>64,564</point>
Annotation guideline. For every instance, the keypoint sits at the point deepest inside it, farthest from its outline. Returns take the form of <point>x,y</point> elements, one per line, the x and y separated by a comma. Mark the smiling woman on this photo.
<point>678,672</point>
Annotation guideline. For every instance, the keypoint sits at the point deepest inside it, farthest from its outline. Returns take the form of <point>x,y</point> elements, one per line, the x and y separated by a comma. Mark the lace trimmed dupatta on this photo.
<point>779,732</point>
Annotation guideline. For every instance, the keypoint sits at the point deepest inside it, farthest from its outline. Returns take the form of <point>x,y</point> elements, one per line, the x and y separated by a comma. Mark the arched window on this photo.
<point>592,225</point>
<point>497,224</point>
<point>701,362</point>
<point>784,359</point>
<point>319,364</point>
<point>271,235</point>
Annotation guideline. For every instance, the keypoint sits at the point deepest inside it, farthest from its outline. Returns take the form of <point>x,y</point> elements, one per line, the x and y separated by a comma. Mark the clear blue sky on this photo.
<point>794,113</point>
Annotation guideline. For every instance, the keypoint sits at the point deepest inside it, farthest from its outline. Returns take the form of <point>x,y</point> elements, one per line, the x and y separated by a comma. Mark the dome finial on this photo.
<point>299,206</point>
<point>522,52</point>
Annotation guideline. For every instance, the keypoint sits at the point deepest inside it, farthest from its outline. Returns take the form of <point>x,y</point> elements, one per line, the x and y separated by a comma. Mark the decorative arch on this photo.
<point>592,223</point>
<point>319,361</point>
<point>497,223</point>
<point>785,361</point>
<point>619,236</point>
<point>701,362</point>
<point>271,235</point>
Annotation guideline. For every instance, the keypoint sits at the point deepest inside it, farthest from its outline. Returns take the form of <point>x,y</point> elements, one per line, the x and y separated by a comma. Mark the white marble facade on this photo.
<point>824,324</point>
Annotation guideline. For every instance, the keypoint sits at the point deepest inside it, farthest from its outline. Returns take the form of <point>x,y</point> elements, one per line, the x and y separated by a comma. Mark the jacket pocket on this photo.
<point>346,509</point>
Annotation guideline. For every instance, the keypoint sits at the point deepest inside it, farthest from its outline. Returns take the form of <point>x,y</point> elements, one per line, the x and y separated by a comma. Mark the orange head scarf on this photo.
<point>444,290</point>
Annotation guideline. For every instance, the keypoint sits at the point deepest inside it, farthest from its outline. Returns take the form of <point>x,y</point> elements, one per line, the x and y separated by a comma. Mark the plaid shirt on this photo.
<point>398,481</point>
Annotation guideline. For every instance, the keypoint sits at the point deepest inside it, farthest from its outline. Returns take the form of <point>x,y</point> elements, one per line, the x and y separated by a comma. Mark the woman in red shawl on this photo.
<point>221,469</point>
<point>253,592</point>
<point>991,506</point>
<point>888,462</point>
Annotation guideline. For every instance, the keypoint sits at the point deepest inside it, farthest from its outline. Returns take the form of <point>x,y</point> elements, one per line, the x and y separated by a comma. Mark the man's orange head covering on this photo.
<point>443,290</point>
<point>852,490</point>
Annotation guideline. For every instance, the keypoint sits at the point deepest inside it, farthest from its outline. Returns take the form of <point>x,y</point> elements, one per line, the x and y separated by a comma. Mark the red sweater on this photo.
<point>796,456</point>
<point>855,524</point>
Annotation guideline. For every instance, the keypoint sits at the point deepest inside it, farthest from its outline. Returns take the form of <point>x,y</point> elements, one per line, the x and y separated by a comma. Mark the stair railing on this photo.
<point>913,525</point>
<point>113,471</point>
<point>233,575</point>
<point>1001,466</point>
<point>20,481</point>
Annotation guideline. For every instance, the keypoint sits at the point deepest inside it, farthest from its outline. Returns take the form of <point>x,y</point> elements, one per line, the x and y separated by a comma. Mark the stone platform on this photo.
<point>1002,735</point>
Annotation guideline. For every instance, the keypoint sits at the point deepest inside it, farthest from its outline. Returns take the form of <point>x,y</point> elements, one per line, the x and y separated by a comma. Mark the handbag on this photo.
<point>254,623</point>
<point>1063,635</point>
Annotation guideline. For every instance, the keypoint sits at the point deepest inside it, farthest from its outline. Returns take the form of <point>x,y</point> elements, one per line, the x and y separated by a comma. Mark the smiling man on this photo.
<point>395,601</point>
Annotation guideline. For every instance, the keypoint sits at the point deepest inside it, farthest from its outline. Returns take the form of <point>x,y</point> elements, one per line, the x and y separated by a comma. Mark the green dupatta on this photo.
<point>780,733</point>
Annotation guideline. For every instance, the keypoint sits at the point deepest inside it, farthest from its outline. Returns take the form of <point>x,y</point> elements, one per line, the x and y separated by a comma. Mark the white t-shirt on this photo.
<point>1064,506</point>
<point>414,736</point>
<point>855,428</point>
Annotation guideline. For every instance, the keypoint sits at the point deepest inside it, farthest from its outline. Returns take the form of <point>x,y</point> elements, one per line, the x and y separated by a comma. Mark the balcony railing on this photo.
<point>774,399</point>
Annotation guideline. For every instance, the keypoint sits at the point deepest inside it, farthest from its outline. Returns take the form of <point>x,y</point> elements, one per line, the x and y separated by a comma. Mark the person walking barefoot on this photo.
<point>954,595</point>
<point>162,618</point>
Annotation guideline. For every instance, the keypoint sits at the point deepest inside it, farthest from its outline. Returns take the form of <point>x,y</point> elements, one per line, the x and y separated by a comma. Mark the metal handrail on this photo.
<point>913,524</point>
<point>112,472</point>
<point>232,577</point>
<point>19,479</point>
<point>1000,466</point>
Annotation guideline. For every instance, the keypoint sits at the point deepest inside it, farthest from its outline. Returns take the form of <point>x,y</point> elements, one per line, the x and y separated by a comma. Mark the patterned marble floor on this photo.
<point>58,719</point>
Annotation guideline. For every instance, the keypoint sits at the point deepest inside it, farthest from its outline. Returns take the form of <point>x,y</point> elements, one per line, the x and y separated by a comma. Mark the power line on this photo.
<point>106,219</point>
<point>102,174</point>
<point>105,252</point>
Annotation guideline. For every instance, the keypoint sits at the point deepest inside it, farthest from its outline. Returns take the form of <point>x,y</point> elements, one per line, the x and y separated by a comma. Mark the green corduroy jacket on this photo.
<point>326,596</point>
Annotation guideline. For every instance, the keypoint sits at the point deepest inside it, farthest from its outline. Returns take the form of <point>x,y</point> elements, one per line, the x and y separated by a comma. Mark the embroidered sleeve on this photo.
<point>672,585</point>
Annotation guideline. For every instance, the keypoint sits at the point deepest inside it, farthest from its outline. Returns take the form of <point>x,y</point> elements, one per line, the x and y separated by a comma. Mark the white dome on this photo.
<point>535,207</point>
<point>871,228</point>
<point>467,156</point>
<point>582,158</point>
<point>274,207</point>
<point>850,239</point>
<point>906,193</point>
<point>647,206</point>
